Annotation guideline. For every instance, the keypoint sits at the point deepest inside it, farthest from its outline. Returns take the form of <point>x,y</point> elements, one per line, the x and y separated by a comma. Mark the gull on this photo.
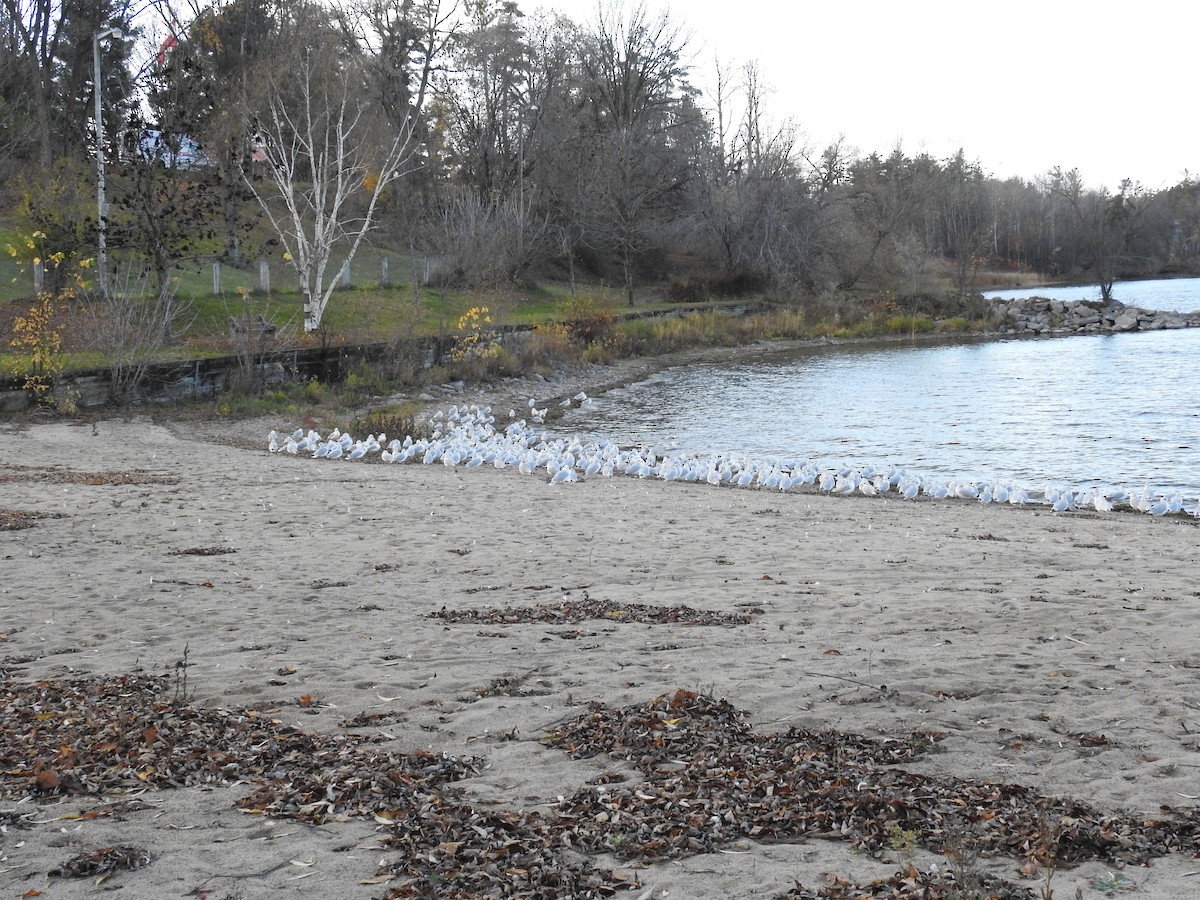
<point>564,476</point>
<point>845,484</point>
<point>966,491</point>
<point>1157,509</point>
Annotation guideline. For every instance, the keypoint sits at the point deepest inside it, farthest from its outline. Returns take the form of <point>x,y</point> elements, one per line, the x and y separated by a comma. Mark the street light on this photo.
<point>101,206</point>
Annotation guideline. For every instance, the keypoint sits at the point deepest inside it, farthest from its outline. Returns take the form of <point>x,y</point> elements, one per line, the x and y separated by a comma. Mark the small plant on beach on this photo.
<point>962,851</point>
<point>182,691</point>
<point>903,842</point>
<point>394,421</point>
<point>1113,882</point>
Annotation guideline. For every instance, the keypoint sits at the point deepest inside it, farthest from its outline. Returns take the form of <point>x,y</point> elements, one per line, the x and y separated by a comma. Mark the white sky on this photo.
<point>1112,89</point>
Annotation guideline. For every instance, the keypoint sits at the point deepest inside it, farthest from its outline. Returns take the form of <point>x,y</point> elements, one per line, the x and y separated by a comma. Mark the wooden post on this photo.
<point>384,279</point>
<point>39,276</point>
<point>346,274</point>
<point>217,278</point>
<point>264,277</point>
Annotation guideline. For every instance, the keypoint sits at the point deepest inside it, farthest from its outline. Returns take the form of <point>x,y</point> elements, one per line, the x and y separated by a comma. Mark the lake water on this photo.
<point>1095,411</point>
<point>1173,294</point>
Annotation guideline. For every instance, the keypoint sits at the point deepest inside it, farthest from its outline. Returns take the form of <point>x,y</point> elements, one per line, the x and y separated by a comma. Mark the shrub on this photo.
<point>474,337</point>
<point>688,289</point>
<point>38,342</point>
<point>587,320</point>
<point>545,348</point>
<point>394,421</point>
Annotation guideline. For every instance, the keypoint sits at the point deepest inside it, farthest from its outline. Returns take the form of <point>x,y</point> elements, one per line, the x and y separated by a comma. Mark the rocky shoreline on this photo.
<point>1041,315</point>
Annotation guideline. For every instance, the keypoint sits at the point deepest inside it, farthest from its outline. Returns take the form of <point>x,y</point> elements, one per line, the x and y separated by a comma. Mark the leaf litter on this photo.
<point>709,782</point>
<point>571,611</point>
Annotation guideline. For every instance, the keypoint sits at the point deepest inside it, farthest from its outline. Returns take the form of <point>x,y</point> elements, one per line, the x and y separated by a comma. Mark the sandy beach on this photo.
<point>1059,653</point>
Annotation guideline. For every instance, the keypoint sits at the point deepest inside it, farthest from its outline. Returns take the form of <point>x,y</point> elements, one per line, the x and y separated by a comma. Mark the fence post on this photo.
<point>264,276</point>
<point>217,278</point>
<point>426,276</point>
<point>39,276</point>
<point>384,279</point>
<point>346,274</point>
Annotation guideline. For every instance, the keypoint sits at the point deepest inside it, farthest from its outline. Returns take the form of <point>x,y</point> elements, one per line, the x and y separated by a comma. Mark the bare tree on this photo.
<point>326,174</point>
<point>1107,223</point>
<point>642,117</point>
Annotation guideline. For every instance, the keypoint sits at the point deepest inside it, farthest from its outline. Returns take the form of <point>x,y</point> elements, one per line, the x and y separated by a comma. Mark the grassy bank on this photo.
<point>562,328</point>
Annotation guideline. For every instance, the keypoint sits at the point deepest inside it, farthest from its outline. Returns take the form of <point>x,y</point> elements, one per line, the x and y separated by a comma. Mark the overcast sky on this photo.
<point>1111,89</point>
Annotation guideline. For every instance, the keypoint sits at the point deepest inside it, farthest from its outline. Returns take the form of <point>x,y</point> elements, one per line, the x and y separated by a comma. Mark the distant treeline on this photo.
<point>537,145</point>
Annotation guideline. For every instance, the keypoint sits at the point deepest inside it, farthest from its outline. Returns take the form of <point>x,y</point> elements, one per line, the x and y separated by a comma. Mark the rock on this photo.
<point>1126,320</point>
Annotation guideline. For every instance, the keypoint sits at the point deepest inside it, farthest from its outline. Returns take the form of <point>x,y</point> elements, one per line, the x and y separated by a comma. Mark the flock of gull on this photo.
<point>468,436</point>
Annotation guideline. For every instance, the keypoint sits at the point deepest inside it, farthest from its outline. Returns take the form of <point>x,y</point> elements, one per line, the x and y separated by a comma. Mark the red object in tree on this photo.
<point>168,45</point>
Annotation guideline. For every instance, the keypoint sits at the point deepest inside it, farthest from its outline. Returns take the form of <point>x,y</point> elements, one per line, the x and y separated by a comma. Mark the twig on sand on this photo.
<point>875,687</point>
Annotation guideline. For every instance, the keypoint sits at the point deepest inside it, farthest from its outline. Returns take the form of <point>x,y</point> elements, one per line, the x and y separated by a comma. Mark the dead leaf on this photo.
<point>378,879</point>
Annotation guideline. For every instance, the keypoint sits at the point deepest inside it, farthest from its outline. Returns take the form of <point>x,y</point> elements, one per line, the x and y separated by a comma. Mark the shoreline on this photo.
<point>1054,652</point>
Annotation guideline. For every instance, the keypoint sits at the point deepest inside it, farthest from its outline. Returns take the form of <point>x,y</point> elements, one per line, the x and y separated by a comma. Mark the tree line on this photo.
<point>508,145</point>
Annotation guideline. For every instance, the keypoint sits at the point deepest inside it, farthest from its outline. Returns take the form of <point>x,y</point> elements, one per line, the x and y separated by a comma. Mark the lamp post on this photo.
<point>101,206</point>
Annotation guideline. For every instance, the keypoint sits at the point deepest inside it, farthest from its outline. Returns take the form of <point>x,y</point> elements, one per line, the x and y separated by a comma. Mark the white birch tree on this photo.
<point>326,173</point>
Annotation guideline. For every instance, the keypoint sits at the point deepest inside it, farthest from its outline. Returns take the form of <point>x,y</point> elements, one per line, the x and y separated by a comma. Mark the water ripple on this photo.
<point>1103,411</point>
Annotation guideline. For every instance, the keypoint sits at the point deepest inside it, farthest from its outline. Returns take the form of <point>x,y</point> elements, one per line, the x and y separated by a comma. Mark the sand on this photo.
<point>1059,652</point>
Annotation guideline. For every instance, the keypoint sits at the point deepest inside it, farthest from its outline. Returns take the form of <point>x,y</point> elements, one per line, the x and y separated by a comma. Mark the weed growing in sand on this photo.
<point>962,850</point>
<point>903,843</point>
<point>1113,882</point>
<point>182,689</point>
